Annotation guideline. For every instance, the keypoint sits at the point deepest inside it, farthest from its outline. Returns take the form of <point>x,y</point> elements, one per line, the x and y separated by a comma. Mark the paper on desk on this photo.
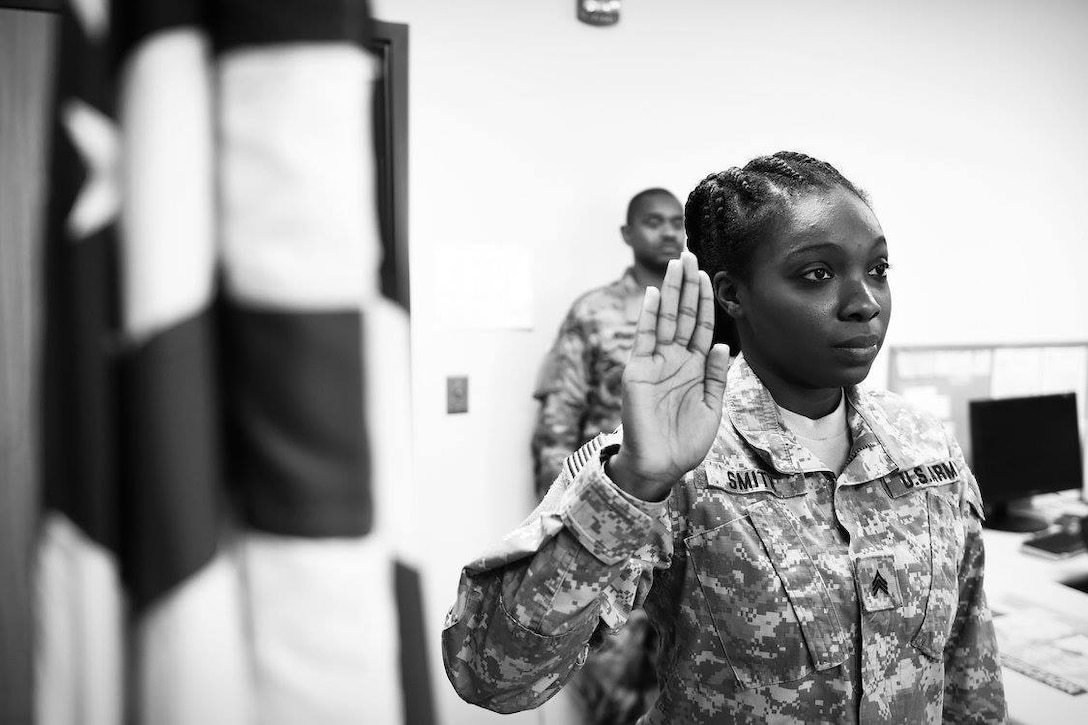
<point>1045,646</point>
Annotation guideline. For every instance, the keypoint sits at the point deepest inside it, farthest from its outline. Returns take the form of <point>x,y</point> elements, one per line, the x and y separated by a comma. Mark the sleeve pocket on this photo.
<point>945,550</point>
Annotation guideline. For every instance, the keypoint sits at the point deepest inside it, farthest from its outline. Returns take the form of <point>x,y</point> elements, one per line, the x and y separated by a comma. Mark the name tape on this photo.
<point>911,479</point>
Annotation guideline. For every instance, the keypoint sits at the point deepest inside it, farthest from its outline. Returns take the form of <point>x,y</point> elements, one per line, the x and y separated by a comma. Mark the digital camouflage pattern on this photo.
<point>579,382</point>
<point>580,392</point>
<point>781,592</point>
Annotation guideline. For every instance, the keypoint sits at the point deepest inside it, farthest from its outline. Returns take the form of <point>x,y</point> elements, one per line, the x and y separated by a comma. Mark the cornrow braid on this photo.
<point>715,206</point>
<point>701,227</point>
<point>829,171</point>
<point>742,180</point>
<point>775,165</point>
<point>731,212</point>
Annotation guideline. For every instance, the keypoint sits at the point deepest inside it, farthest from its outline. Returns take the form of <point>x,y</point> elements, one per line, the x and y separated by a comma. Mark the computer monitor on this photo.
<point>1021,447</point>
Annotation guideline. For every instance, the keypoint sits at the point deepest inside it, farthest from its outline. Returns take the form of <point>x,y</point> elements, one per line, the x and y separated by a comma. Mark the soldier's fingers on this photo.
<point>646,330</point>
<point>717,365</point>
<point>704,321</point>
<point>670,297</point>
<point>689,299</point>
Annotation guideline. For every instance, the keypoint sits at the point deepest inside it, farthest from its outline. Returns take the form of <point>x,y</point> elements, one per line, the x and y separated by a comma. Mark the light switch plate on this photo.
<point>457,394</point>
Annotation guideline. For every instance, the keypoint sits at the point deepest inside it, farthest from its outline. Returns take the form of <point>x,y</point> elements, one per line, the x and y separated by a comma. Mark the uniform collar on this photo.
<point>874,450</point>
<point>628,281</point>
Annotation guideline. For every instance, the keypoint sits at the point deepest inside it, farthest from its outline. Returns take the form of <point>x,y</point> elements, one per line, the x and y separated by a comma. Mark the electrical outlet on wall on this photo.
<point>457,394</point>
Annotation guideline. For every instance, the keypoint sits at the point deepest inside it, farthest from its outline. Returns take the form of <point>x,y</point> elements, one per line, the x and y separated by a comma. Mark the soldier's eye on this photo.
<point>880,270</point>
<point>820,274</point>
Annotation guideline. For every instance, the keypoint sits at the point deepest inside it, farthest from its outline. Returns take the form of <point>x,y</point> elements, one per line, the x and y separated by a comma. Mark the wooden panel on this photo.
<point>26,40</point>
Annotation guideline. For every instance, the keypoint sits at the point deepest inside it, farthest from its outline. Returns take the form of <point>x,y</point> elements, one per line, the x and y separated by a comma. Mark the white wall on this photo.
<point>529,130</point>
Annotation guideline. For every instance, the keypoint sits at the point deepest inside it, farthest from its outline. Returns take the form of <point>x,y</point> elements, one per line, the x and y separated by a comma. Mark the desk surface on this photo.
<point>1015,577</point>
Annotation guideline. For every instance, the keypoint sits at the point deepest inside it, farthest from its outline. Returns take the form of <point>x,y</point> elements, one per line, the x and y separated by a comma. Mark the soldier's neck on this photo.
<point>647,276</point>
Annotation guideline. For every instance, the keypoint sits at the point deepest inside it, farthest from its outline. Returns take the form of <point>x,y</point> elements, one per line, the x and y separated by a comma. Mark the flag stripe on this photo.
<point>80,656</point>
<point>79,386</point>
<point>190,655</point>
<point>298,222</point>
<point>323,630</point>
<point>167,219</point>
<point>173,470</point>
<point>250,23</point>
<point>299,454</point>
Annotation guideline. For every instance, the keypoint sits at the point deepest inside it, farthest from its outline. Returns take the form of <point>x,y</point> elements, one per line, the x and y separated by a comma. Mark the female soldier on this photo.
<point>810,551</point>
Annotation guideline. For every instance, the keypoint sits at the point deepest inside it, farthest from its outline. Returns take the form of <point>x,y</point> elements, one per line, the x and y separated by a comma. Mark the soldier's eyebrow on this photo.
<point>829,246</point>
<point>809,248</point>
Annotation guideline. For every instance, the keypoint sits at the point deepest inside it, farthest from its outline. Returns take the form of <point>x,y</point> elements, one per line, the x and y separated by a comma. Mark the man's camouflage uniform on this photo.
<point>781,592</point>
<point>579,383</point>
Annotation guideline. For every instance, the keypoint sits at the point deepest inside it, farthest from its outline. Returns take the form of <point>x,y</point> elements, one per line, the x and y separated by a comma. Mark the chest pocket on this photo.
<point>946,545</point>
<point>769,605</point>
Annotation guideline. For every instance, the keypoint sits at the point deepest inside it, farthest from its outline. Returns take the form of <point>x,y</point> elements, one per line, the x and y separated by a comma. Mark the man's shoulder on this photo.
<point>601,300</point>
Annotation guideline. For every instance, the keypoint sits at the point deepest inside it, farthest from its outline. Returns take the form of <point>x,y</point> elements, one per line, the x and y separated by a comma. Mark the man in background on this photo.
<point>579,382</point>
<point>579,393</point>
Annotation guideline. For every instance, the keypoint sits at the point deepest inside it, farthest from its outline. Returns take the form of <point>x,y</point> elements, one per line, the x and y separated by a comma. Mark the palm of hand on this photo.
<point>673,384</point>
<point>664,399</point>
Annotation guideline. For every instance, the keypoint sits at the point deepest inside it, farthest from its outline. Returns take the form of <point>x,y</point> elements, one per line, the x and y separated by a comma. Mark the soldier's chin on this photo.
<point>853,374</point>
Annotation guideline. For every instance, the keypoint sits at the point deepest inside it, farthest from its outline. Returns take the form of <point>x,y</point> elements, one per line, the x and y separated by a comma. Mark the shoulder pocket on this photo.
<point>769,605</point>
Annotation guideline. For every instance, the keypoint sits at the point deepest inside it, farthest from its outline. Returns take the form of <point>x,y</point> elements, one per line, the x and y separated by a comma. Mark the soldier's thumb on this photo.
<point>717,365</point>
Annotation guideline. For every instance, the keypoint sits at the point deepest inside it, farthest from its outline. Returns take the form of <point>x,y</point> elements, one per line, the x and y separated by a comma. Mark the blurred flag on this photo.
<point>80,648</point>
<point>301,253</point>
<point>214,428</point>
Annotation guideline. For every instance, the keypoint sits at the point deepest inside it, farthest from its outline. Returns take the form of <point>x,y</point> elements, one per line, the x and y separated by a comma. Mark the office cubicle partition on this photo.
<point>943,379</point>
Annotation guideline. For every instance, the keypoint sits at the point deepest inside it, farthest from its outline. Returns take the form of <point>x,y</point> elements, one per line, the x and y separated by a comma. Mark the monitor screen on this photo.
<point>1025,446</point>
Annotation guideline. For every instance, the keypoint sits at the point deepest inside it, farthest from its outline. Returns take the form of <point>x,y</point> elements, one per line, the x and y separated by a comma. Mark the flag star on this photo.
<point>96,140</point>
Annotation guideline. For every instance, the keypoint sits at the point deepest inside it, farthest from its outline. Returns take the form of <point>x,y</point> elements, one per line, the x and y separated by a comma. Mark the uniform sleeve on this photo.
<point>526,611</point>
<point>973,690</point>
<point>562,388</point>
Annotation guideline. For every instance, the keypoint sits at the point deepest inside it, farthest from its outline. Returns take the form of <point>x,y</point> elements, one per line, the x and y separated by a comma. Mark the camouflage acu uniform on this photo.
<point>579,383</point>
<point>781,592</point>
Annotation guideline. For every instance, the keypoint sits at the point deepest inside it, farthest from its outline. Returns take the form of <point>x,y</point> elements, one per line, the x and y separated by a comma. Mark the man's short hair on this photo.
<point>637,199</point>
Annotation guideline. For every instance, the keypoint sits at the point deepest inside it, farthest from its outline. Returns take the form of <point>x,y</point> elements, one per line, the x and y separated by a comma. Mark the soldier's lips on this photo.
<point>860,341</point>
<point>856,355</point>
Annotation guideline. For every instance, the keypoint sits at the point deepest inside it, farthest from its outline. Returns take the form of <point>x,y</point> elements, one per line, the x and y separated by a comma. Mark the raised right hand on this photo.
<point>673,385</point>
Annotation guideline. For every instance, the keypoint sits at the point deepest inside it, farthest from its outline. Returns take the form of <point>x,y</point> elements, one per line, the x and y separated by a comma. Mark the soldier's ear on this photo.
<point>727,293</point>
<point>625,232</point>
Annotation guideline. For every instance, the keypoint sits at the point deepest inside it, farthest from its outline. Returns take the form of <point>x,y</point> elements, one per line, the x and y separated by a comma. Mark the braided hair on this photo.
<point>731,212</point>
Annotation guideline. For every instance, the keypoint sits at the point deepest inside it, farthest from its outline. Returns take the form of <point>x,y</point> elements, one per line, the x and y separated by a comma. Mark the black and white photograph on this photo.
<point>532,362</point>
